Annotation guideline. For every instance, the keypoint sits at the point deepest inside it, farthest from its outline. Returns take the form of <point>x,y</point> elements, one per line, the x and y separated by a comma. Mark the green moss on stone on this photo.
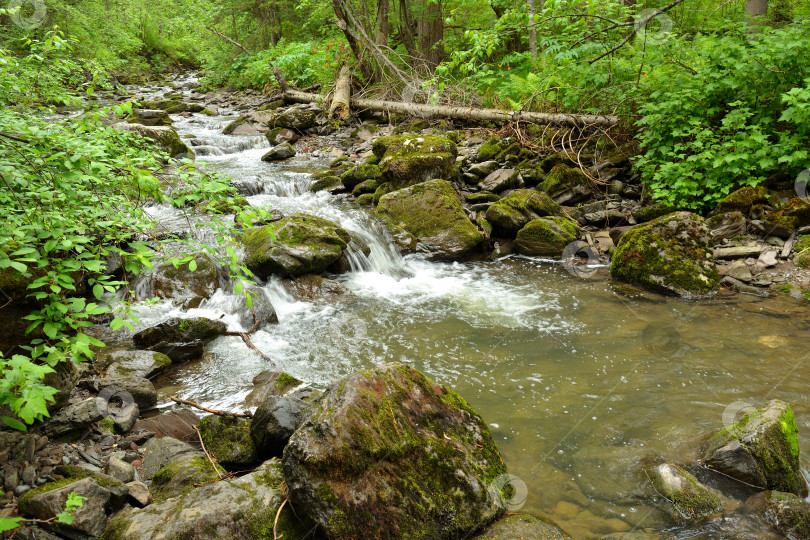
<point>490,149</point>
<point>286,381</point>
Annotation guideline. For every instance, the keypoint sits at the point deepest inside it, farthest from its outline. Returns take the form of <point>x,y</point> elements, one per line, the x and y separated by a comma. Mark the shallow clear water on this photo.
<point>578,379</point>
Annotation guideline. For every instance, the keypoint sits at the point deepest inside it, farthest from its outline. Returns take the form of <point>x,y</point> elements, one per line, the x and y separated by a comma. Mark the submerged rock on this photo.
<point>296,245</point>
<point>788,513</point>
<point>690,498</point>
<point>522,526</point>
<point>388,453</point>
<point>670,255</point>
<point>546,236</point>
<point>243,507</point>
<point>510,214</point>
<point>431,212</point>
<point>165,136</point>
<point>409,159</point>
<point>761,449</point>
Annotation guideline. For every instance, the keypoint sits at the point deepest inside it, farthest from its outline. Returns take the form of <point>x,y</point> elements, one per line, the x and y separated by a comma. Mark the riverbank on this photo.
<point>544,355</point>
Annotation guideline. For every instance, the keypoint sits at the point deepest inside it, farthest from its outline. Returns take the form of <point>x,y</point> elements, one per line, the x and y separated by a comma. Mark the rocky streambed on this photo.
<point>432,358</point>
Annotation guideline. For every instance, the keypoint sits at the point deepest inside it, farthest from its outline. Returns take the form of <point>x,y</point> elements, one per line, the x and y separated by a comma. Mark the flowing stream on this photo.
<point>578,379</point>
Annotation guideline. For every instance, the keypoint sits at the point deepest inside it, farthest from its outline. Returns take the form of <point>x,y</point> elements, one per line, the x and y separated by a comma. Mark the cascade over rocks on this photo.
<point>296,245</point>
<point>432,214</point>
<point>387,453</point>
<point>670,254</point>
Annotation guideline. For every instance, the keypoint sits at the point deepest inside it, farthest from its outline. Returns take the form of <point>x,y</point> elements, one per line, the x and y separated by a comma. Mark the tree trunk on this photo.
<point>756,11</point>
<point>366,65</point>
<point>383,26</point>
<point>430,32</point>
<point>340,101</point>
<point>464,113</point>
<point>406,27</point>
<point>532,29</point>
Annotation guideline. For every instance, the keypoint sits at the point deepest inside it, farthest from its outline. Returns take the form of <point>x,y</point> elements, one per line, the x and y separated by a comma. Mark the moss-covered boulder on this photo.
<point>366,187</point>
<point>546,236</point>
<point>244,507</point>
<point>296,245</point>
<point>651,212</point>
<point>690,498</point>
<point>797,208</point>
<point>410,159</point>
<point>742,200</point>
<point>761,449</point>
<point>274,422</point>
<point>48,501</point>
<point>182,475</point>
<point>490,149</point>
<point>549,162</point>
<point>386,453</point>
<point>329,183</point>
<point>670,255</point>
<point>432,213</point>
<point>501,180</point>
<point>786,512</point>
<point>510,214</point>
<point>522,526</point>
<point>179,339</point>
<point>279,152</point>
<point>567,185</point>
<point>149,117</point>
<point>165,137</point>
<point>270,383</point>
<point>170,281</point>
<point>359,174</point>
<point>296,119</point>
<point>228,440</point>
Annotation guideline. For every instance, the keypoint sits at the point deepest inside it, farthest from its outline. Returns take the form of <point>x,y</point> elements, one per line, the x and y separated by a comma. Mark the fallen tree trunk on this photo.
<point>340,101</point>
<point>464,113</point>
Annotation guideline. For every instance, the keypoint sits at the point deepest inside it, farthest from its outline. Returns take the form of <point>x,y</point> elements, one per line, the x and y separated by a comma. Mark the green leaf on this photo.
<point>13,423</point>
<point>116,323</point>
<point>98,291</point>
<point>8,524</point>
<point>192,266</point>
<point>51,329</point>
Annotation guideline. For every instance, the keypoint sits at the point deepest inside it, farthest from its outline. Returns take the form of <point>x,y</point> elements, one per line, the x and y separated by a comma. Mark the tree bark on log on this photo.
<point>464,113</point>
<point>340,107</point>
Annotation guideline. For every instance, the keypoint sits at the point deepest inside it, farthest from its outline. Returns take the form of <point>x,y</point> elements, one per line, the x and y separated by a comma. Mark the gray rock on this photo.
<point>243,507</point>
<point>11,478</point>
<point>270,383</point>
<point>72,418</point>
<point>159,452</point>
<point>262,311</point>
<point>761,449</point>
<point>29,476</point>
<point>180,339</point>
<point>768,258</point>
<point>279,152</point>
<point>366,458</point>
<point>566,185</point>
<point>177,424</point>
<point>690,498</point>
<point>501,180</point>
<point>484,169</point>
<point>274,422</point>
<point>119,469</point>
<point>21,490</point>
<point>739,270</point>
<point>139,493</point>
<point>141,389</point>
<point>725,226</point>
<point>168,281</point>
<point>737,252</point>
<point>89,520</point>
<point>295,119</point>
<point>136,364</point>
<point>182,475</point>
<point>63,378</point>
<point>165,136</point>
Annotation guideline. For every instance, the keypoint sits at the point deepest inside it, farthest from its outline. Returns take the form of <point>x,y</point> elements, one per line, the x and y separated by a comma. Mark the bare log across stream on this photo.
<point>464,113</point>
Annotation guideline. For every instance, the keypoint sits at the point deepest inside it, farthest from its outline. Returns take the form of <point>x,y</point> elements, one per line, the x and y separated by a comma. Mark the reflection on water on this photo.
<point>579,380</point>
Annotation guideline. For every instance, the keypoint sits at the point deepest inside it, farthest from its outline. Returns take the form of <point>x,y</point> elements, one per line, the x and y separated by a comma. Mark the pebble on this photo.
<point>21,490</point>
<point>66,460</point>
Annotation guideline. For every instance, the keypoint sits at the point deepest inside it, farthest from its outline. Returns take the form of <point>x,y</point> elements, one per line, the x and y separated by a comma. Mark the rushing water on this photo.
<point>578,379</point>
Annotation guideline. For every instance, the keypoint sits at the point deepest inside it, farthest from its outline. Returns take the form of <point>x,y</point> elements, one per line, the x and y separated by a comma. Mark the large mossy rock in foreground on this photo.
<point>243,507</point>
<point>386,453</point>
<point>671,255</point>
<point>409,159</point>
<point>165,136</point>
<point>296,245</point>
<point>431,212</point>
<point>761,449</point>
